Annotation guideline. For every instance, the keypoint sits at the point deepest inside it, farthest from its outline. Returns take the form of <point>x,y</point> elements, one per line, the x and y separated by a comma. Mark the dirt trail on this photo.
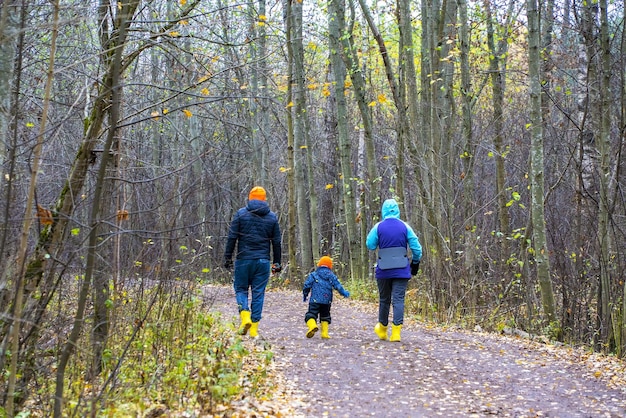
<point>431,373</point>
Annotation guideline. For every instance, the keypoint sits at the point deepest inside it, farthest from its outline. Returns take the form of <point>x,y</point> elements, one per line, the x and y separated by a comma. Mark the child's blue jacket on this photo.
<point>321,283</point>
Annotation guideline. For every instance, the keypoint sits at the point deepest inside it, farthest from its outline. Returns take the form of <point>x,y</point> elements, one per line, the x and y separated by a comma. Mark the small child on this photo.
<point>321,283</point>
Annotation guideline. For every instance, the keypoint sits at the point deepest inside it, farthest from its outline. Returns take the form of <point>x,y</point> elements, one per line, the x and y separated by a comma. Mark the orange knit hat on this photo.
<point>325,261</point>
<point>257,193</point>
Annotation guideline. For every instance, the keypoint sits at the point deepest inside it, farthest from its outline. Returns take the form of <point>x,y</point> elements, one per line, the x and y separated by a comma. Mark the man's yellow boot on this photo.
<point>246,323</point>
<point>395,333</point>
<point>254,329</point>
<point>312,324</point>
<point>325,330</point>
<point>381,331</point>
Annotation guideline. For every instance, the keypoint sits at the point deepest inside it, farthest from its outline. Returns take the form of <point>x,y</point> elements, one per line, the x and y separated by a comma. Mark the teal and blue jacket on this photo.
<point>394,232</point>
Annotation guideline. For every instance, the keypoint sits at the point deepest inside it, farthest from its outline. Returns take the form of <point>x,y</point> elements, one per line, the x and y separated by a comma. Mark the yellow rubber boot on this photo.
<point>312,324</point>
<point>325,330</point>
<point>395,333</point>
<point>381,331</point>
<point>254,330</point>
<point>246,323</point>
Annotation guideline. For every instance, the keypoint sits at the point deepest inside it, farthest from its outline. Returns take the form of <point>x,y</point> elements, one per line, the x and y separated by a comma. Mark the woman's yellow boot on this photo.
<point>246,323</point>
<point>381,331</point>
<point>395,333</point>
<point>254,329</point>
<point>325,330</point>
<point>312,324</point>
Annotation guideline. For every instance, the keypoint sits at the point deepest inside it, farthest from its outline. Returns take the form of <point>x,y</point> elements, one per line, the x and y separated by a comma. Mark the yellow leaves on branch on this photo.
<point>122,215</point>
<point>156,115</point>
<point>204,78</point>
<point>44,215</point>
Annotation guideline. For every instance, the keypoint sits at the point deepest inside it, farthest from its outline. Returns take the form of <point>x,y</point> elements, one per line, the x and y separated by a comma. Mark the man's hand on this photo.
<point>415,266</point>
<point>228,264</point>
<point>276,268</point>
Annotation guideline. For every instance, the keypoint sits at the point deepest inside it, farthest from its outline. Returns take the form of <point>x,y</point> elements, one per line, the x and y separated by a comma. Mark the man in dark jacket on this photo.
<point>254,229</point>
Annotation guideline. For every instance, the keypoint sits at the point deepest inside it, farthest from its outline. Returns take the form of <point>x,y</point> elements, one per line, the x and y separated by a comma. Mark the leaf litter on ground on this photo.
<point>434,371</point>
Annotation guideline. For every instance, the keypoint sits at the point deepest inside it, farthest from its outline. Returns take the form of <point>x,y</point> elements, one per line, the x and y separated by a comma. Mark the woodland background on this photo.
<point>131,131</point>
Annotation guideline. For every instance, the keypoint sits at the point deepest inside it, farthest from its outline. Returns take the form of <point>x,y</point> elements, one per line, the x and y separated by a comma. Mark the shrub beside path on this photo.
<point>433,372</point>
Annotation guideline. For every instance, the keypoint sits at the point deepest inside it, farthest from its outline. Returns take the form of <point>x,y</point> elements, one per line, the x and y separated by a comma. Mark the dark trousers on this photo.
<point>318,309</point>
<point>391,293</point>
<point>251,277</point>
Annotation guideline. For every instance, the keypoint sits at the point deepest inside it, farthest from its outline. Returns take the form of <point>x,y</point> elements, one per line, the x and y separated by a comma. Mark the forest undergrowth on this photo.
<point>173,352</point>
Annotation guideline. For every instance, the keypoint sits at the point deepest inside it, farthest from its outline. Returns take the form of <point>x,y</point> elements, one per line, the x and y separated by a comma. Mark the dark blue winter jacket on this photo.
<point>321,283</point>
<point>254,229</point>
<point>393,232</point>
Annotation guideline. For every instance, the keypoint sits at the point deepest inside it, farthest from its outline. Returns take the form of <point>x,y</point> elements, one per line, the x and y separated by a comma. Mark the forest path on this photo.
<point>433,372</point>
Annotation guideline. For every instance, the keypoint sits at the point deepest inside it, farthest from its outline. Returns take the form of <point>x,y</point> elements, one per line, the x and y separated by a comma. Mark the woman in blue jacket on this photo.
<point>392,236</point>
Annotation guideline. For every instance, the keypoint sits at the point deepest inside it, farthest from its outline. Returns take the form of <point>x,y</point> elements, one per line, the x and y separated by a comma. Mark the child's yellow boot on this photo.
<point>395,333</point>
<point>312,324</point>
<point>381,331</point>
<point>246,323</point>
<point>325,330</point>
<point>254,329</point>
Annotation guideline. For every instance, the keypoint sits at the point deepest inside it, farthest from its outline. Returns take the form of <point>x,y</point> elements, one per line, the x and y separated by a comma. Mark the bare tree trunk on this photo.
<point>291,182</point>
<point>467,156</point>
<point>540,248</point>
<point>336,24</point>
<point>622,140</point>
<point>123,20</point>
<point>371,195</point>
<point>497,69</point>
<point>606,180</point>
<point>258,105</point>
<point>11,47</point>
<point>302,151</point>
<point>21,259</point>
<point>9,31</point>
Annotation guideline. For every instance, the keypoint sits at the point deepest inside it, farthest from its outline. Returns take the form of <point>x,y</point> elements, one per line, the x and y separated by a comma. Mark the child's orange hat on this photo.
<point>257,193</point>
<point>325,261</point>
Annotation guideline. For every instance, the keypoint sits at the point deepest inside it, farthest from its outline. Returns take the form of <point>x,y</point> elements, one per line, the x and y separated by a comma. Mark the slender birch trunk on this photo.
<point>336,23</point>
<point>541,252</point>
